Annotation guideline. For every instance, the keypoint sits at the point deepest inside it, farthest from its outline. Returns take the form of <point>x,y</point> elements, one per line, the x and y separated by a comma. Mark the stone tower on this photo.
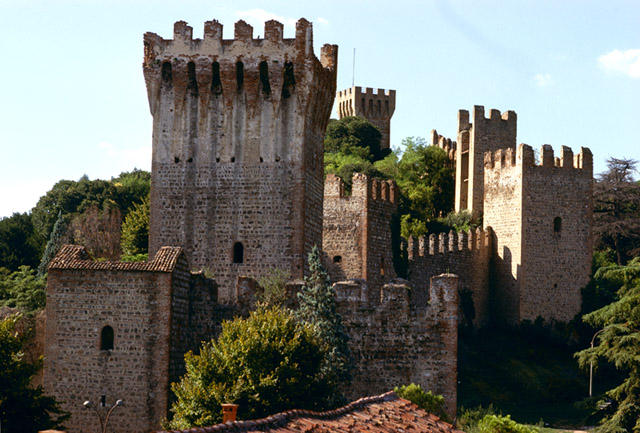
<point>377,108</point>
<point>541,217</point>
<point>474,139</point>
<point>238,128</point>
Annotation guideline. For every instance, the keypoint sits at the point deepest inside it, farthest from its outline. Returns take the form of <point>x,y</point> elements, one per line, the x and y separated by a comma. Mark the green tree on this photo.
<point>266,363</point>
<point>425,178</point>
<point>22,407</point>
<point>54,244</point>
<point>354,136</point>
<point>22,289</point>
<point>132,187</point>
<point>317,306</point>
<point>273,288</point>
<point>19,245</point>
<point>428,401</point>
<point>619,344</point>
<point>135,230</point>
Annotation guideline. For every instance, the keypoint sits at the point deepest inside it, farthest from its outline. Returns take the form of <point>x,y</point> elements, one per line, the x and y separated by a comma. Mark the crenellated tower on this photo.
<point>541,217</point>
<point>375,106</point>
<point>238,128</point>
<point>475,137</point>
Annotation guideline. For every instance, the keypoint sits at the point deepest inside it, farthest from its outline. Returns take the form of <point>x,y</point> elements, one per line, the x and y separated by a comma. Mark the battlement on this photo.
<point>478,115</point>
<point>444,143</point>
<point>376,190</point>
<point>369,103</point>
<point>452,242</point>
<point>506,158</point>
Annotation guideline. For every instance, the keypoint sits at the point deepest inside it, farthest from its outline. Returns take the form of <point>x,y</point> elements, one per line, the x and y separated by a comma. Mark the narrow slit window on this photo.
<point>192,83</point>
<point>106,338</point>
<point>289,80</point>
<point>239,75</point>
<point>166,74</point>
<point>238,252</point>
<point>557,225</point>
<point>264,78</point>
<point>216,84</point>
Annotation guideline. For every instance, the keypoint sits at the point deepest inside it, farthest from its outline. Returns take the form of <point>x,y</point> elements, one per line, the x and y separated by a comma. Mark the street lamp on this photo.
<point>103,421</point>
<point>593,339</point>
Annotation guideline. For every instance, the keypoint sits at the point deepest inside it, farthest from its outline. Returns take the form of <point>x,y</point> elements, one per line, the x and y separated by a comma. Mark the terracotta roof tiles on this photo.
<point>76,257</point>
<point>377,414</point>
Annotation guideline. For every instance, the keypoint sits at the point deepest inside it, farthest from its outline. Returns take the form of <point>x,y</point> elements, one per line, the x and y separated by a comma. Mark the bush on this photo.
<point>503,424</point>
<point>135,230</point>
<point>266,363</point>
<point>273,287</point>
<point>432,403</point>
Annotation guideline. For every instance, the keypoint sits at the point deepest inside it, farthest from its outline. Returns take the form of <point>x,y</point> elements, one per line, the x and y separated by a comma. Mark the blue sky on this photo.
<point>73,100</point>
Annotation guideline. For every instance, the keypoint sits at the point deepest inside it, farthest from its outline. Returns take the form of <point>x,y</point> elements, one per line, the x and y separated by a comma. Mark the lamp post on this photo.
<point>593,339</point>
<point>103,421</point>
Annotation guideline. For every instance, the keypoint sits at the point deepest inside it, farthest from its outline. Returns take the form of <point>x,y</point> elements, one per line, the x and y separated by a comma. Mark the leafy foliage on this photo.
<point>135,230</point>
<point>54,244</point>
<point>619,344</point>
<point>503,424</point>
<point>98,230</point>
<point>354,136</point>
<point>617,209</point>
<point>19,244</point>
<point>273,287</point>
<point>460,221</point>
<point>428,401</point>
<point>22,408</point>
<point>266,363</point>
<point>317,306</point>
<point>22,289</point>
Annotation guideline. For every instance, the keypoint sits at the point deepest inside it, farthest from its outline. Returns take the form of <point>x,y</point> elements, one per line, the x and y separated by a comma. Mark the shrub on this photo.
<point>273,287</point>
<point>503,424</point>
<point>428,401</point>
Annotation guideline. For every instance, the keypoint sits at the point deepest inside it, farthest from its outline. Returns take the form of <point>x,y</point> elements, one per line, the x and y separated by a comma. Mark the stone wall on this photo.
<point>375,106</point>
<point>134,299</point>
<point>482,134</point>
<point>357,229</point>
<point>399,335</point>
<point>237,162</point>
<point>541,216</point>
<point>466,254</point>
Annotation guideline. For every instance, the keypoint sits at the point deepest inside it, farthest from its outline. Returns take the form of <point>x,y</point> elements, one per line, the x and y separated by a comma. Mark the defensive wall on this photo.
<point>444,143</point>
<point>541,218</point>
<point>377,106</point>
<point>466,254</point>
<point>356,235</point>
<point>401,334</point>
<point>237,161</point>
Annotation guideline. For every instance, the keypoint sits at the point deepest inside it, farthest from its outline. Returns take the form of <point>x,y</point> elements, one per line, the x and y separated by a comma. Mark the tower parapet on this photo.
<point>475,137</point>
<point>541,215</point>
<point>377,106</point>
<point>444,143</point>
<point>238,129</point>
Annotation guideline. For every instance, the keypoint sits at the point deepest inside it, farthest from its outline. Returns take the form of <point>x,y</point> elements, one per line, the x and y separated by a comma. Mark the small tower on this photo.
<point>238,128</point>
<point>376,107</point>
<point>474,139</point>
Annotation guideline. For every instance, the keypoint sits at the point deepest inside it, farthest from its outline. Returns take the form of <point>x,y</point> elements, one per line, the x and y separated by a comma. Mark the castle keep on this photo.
<point>237,190</point>
<point>238,129</point>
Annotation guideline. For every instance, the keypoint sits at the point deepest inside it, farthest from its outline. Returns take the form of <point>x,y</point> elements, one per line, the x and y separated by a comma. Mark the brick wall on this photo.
<point>237,146</point>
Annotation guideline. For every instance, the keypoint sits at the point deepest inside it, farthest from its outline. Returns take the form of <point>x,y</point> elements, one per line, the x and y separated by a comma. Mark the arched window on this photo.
<point>337,259</point>
<point>238,252</point>
<point>557,225</point>
<point>106,338</point>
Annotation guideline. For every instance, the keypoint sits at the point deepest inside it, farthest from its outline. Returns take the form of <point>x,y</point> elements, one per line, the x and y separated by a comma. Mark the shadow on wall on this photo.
<point>504,288</point>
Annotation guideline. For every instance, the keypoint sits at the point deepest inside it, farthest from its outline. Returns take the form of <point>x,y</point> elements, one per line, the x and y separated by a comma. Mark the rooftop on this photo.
<point>382,413</point>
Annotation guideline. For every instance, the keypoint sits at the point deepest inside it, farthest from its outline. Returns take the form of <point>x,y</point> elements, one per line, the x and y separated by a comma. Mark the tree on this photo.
<point>132,187</point>
<point>135,230</point>
<point>354,136</point>
<point>19,244</point>
<point>317,306</point>
<point>617,209</point>
<point>273,288</point>
<point>266,363</point>
<point>22,289</point>
<point>54,244</point>
<point>425,178</point>
<point>98,230</point>
<point>22,408</point>
<point>619,344</point>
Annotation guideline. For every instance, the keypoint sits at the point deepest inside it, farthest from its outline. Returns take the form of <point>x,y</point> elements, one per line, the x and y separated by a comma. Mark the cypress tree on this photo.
<point>53,245</point>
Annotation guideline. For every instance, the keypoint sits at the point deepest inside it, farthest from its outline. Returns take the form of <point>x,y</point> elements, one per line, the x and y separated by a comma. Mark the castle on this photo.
<point>237,189</point>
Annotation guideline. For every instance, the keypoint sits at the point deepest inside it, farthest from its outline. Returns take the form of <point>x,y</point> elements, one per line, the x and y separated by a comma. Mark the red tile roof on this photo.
<point>76,257</point>
<point>382,413</point>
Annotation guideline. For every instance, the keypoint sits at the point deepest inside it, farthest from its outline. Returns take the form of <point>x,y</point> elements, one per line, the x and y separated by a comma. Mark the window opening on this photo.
<point>289,80</point>
<point>557,225</point>
<point>216,84</point>
<point>337,259</point>
<point>239,75</point>
<point>264,78</point>
<point>238,253</point>
<point>106,338</point>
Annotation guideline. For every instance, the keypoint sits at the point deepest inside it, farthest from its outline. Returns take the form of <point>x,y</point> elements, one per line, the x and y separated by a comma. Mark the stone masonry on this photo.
<point>357,229</point>
<point>375,106</point>
<point>238,128</point>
